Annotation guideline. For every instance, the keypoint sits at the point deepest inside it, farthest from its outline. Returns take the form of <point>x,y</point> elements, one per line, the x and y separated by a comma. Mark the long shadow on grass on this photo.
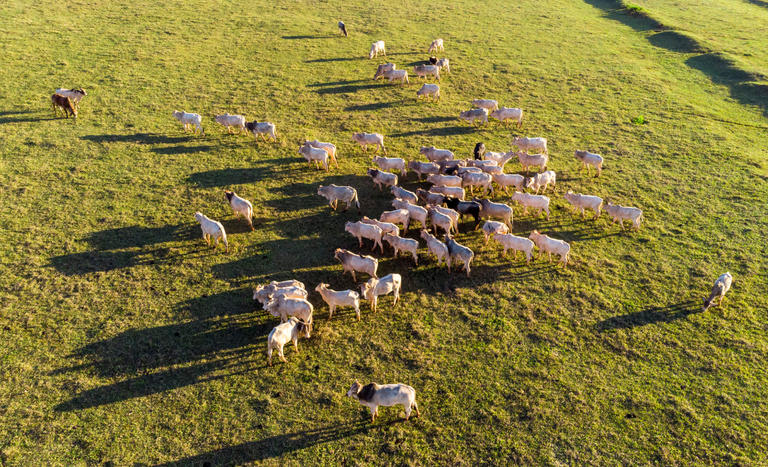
<point>340,59</point>
<point>307,37</point>
<point>445,131</point>
<point>6,120</point>
<point>267,169</point>
<point>761,3</point>
<point>652,315</point>
<point>718,67</point>
<point>279,445</point>
<point>347,89</point>
<point>140,138</point>
<point>369,107</point>
<point>336,83</point>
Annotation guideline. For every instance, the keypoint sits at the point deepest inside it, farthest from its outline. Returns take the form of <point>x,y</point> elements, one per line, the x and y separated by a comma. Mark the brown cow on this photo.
<point>65,104</point>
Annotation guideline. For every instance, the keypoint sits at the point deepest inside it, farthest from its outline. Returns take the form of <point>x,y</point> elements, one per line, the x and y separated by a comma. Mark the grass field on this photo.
<point>126,341</point>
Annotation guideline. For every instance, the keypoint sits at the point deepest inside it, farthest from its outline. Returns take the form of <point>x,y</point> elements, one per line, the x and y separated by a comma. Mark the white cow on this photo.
<point>376,48</point>
<point>189,119</point>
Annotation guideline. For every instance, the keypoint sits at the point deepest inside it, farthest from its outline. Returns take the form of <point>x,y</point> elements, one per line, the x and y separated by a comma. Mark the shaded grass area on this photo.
<point>129,342</point>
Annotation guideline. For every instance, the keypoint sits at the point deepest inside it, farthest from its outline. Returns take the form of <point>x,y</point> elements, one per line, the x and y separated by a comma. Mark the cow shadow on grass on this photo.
<point>339,59</point>
<point>43,116</point>
<point>651,315</point>
<point>308,37</point>
<point>444,131</point>
<point>140,138</point>
<point>369,107</point>
<point>273,447</point>
<point>344,89</point>
<point>337,83</point>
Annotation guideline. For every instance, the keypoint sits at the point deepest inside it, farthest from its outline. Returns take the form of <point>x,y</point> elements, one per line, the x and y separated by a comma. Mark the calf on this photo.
<point>424,168</point>
<point>499,210</point>
<point>386,227</point>
<point>465,208</point>
<point>424,70</point>
<point>376,48</point>
<point>538,202</point>
<point>438,248</point>
<point>589,159</point>
<point>449,191</point>
<point>382,69</point>
<point>386,395</point>
<point>365,139</point>
<point>382,178</point>
<point>504,114</point>
<point>430,198</point>
<point>579,201</point>
<point>262,128</point>
<point>343,298</point>
<point>405,195</point>
<point>189,119</point>
<point>375,287</point>
<point>403,244</point>
<point>390,163</point>
<point>415,213</point>
<point>74,94</point>
<point>551,245</point>
<point>433,154</point>
<point>353,262</point>
<point>240,206</point>
<point>526,144</point>
<point>541,180</point>
<point>475,114</point>
<point>230,121</point>
<point>360,230</point>
<point>509,241</point>
<point>427,91</point>
<point>622,213</point>
<point>436,46</point>
<point>458,253</point>
<point>65,104</point>
<point>335,193</point>
<point>329,148</point>
<point>212,229</point>
<point>487,104</point>
<point>722,285</point>
<point>314,154</point>
<point>492,227</point>
<point>284,333</point>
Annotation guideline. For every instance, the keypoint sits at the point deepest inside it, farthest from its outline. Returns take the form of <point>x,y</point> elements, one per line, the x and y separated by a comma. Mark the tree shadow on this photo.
<point>281,445</point>
<point>761,3</point>
<point>675,42</point>
<point>662,314</point>
<point>612,11</point>
<point>228,177</point>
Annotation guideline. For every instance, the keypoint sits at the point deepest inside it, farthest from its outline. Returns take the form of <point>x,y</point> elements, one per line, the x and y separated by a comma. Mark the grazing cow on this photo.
<point>444,64</point>
<point>382,178</point>
<point>475,114</point>
<point>335,193</point>
<point>65,104</point>
<point>401,75</point>
<point>429,90</point>
<point>343,29</point>
<point>212,229</point>
<point>551,245</point>
<point>436,46</point>
<point>505,113</point>
<point>284,333</point>
<point>526,144</point>
<point>423,168</point>
<point>589,159</point>
<point>487,104</point>
<point>377,47</point>
<point>459,253</point>
<point>320,156</point>
<point>364,139</point>
<point>722,285</point>
<point>353,262</point>
<point>262,128</point>
<point>433,154</point>
<point>188,119</point>
<point>509,241</point>
<point>241,206</point>
<point>74,94</point>
<point>375,287</point>
<point>622,213</point>
<point>229,121</point>
<point>538,202</point>
<point>465,208</point>
<point>382,69</point>
<point>329,148</point>
<point>385,395</point>
<point>424,70</point>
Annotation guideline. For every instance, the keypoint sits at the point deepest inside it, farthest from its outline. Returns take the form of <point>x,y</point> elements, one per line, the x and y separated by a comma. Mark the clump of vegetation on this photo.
<point>639,120</point>
<point>636,10</point>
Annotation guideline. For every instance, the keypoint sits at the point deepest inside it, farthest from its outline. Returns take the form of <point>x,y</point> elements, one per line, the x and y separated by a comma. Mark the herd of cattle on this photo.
<point>443,207</point>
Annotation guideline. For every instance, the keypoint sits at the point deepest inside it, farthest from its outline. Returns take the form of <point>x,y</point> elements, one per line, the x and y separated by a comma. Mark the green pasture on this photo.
<point>127,341</point>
